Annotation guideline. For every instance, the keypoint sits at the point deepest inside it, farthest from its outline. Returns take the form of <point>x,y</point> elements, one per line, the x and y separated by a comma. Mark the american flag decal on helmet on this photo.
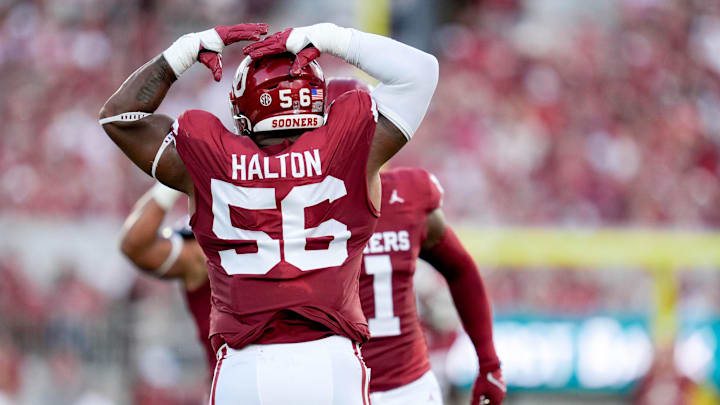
<point>316,94</point>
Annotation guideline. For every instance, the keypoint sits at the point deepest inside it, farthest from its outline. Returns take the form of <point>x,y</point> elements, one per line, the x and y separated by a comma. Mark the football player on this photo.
<point>412,225</point>
<point>173,254</point>
<point>283,207</point>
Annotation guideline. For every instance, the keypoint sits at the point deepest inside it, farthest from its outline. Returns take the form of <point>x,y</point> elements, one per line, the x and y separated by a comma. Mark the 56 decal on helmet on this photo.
<point>266,97</point>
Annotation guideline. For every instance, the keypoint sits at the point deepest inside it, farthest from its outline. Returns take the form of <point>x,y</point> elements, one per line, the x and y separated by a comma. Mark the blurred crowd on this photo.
<point>71,344</point>
<point>611,117</point>
<point>607,116</point>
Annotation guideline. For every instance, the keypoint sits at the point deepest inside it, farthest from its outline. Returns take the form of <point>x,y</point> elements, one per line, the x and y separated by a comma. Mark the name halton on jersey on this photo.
<point>388,241</point>
<point>293,164</point>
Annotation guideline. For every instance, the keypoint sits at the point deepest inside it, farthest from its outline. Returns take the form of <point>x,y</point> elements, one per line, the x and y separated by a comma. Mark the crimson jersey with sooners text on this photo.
<point>283,227</point>
<point>396,352</point>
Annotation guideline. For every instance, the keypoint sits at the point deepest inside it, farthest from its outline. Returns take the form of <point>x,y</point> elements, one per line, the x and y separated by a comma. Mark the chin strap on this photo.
<point>125,117</point>
<point>247,129</point>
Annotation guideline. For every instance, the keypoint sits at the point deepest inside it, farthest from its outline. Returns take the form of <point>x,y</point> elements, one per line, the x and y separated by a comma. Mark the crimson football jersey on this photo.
<point>283,227</point>
<point>396,352</point>
<point>198,303</point>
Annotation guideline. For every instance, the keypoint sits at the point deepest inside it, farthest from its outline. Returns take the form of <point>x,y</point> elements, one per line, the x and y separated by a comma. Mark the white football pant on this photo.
<point>327,371</point>
<point>423,391</point>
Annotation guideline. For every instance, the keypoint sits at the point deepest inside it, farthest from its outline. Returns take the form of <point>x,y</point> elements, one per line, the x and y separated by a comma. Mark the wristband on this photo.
<point>164,196</point>
<point>183,53</point>
<point>177,244</point>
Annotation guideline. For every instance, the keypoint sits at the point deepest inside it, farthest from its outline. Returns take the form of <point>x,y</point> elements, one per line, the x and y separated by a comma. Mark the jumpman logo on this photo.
<point>394,198</point>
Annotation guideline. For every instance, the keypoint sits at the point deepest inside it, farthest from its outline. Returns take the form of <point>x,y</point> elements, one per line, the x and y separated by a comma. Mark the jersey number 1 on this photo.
<point>295,234</point>
<point>384,323</point>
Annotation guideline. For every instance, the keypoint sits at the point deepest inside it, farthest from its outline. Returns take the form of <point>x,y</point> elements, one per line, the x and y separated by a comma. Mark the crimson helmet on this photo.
<point>336,86</point>
<point>265,97</point>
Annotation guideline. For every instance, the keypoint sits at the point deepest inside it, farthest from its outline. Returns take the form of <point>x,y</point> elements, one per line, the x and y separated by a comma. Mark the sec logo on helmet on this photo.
<point>265,99</point>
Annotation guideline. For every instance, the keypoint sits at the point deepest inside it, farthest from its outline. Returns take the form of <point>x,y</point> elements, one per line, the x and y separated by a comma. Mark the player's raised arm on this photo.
<point>444,251</point>
<point>407,76</point>
<point>162,256</point>
<point>127,116</point>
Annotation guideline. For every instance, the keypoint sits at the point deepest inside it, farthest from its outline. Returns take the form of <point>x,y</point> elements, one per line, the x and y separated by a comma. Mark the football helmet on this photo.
<point>336,86</point>
<point>265,97</point>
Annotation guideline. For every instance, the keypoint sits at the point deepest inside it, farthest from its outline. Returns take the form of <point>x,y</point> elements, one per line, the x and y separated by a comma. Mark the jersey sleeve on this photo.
<point>429,195</point>
<point>357,105</point>
<point>353,116</point>
<point>196,125</point>
<point>198,140</point>
<point>435,192</point>
<point>425,188</point>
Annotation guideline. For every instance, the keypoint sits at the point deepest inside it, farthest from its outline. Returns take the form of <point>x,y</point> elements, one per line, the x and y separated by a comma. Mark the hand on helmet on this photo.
<point>210,53</point>
<point>291,40</point>
<point>271,45</point>
<point>206,46</point>
<point>489,388</point>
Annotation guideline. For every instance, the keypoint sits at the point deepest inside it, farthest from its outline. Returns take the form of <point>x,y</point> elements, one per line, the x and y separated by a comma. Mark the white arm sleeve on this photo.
<point>407,76</point>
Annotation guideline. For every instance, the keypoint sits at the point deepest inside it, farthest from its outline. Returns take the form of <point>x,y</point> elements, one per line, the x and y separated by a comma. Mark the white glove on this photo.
<point>184,52</point>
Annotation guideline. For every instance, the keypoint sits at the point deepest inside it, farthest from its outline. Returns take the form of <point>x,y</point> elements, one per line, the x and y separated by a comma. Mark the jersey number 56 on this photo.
<point>292,208</point>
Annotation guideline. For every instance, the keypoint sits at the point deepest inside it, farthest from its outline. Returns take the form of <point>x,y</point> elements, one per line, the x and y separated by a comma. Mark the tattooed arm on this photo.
<point>140,140</point>
<point>145,89</point>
